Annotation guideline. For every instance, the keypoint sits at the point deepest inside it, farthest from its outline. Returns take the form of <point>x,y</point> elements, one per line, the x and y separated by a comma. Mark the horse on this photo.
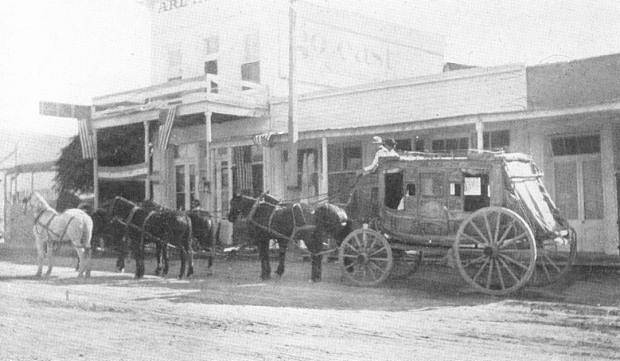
<point>203,226</point>
<point>52,229</point>
<point>268,219</point>
<point>152,223</point>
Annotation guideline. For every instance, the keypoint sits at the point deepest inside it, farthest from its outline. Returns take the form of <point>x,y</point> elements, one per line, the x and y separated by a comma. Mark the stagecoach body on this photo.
<point>489,211</point>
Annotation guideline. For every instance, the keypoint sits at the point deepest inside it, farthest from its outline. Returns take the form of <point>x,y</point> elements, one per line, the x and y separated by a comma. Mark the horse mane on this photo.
<point>43,203</point>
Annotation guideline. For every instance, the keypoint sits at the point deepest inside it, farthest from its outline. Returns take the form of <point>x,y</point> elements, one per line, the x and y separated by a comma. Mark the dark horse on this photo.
<point>203,225</point>
<point>268,219</point>
<point>106,234</point>
<point>151,223</point>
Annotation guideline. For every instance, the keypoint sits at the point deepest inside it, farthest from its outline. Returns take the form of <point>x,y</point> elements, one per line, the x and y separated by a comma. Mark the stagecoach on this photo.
<point>488,211</point>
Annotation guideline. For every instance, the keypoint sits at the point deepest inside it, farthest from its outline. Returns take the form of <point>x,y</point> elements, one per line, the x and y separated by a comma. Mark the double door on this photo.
<point>186,180</point>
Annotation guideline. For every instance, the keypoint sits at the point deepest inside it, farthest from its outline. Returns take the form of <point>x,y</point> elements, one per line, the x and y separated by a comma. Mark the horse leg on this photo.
<point>190,262</point>
<point>263,256</point>
<point>89,257</point>
<point>183,255</point>
<point>165,259</point>
<point>50,259</point>
<point>315,246</point>
<point>282,245</point>
<point>80,253</point>
<point>159,255</point>
<point>40,255</point>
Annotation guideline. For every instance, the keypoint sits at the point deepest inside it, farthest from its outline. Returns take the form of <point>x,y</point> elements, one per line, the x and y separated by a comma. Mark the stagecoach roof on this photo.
<point>470,155</point>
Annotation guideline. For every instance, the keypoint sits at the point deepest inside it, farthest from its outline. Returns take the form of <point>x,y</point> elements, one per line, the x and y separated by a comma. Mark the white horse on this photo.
<point>52,229</point>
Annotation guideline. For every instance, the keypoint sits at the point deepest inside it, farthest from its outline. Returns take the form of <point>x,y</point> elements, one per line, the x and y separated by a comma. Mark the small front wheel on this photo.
<point>365,257</point>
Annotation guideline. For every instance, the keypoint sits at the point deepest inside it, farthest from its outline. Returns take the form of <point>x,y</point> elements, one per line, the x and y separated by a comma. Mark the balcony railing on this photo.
<point>204,88</point>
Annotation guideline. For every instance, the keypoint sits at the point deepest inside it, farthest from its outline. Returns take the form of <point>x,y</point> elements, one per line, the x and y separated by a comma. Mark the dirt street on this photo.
<point>229,315</point>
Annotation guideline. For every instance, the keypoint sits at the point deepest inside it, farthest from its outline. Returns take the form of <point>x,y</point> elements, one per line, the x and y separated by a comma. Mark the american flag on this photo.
<point>89,148</point>
<point>242,156</point>
<point>166,129</point>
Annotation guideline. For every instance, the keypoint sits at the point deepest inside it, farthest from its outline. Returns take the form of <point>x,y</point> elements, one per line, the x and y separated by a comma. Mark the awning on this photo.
<point>129,172</point>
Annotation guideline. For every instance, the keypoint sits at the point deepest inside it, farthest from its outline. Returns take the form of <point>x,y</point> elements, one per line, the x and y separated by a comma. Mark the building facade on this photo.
<point>222,67</point>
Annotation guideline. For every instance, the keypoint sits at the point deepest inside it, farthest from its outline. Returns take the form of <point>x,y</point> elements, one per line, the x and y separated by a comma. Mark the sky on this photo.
<point>72,50</point>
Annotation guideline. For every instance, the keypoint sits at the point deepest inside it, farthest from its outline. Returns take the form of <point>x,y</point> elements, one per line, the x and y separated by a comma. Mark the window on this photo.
<point>496,140</point>
<point>450,144</point>
<point>476,192</point>
<point>211,67</point>
<point>403,145</point>
<point>344,157</point>
<point>212,45</point>
<point>419,144</point>
<point>590,144</point>
<point>251,72</point>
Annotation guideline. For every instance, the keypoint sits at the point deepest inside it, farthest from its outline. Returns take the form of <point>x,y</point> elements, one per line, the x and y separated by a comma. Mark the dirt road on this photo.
<point>113,317</point>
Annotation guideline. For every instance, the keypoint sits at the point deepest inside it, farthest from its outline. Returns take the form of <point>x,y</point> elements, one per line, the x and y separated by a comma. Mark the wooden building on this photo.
<point>220,70</point>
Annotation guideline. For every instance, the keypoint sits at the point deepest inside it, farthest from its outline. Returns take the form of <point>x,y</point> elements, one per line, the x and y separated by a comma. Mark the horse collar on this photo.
<point>36,219</point>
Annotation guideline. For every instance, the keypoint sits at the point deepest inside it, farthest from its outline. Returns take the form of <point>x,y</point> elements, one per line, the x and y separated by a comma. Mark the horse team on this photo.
<point>127,226</point>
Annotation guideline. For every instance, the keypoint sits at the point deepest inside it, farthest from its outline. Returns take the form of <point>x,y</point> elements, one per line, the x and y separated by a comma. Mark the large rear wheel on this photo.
<point>365,257</point>
<point>555,258</point>
<point>495,251</point>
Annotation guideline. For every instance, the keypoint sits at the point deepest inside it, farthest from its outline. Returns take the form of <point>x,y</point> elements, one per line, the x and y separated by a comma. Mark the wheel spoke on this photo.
<point>508,269</point>
<point>500,275</point>
<point>479,232</point>
<point>488,227</point>
<point>552,263</point>
<point>489,276</point>
<point>514,239</point>
<point>377,268</point>
<point>512,260</point>
<point>465,235</point>
<point>501,240</point>
<point>544,267</point>
<point>499,217</point>
<point>480,270</point>
<point>352,248</point>
<point>378,251</point>
<point>475,260</point>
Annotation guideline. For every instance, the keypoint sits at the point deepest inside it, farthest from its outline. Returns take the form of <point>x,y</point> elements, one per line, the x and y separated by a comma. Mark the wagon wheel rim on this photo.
<point>555,258</point>
<point>365,257</point>
<point>495,251</point>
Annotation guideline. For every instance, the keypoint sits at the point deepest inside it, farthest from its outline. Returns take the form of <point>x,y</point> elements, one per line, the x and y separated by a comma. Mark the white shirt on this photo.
<point>381,152</point>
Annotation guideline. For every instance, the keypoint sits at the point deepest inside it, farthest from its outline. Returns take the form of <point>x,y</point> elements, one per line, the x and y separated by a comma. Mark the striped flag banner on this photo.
<point>243,168</point>
<point>165,130</point>
<point>89,148</point>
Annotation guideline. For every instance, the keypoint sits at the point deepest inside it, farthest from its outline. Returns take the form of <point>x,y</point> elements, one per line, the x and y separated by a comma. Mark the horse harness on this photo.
<point>51,234</point>
<point>296,228</point>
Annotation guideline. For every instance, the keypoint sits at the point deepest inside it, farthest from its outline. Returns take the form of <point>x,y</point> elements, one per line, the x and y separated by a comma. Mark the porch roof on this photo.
<point>195,95</point>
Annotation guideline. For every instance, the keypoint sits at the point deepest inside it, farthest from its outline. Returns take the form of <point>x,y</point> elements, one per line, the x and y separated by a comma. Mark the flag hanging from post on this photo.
<point>89,148</point>
<point>165,130</point>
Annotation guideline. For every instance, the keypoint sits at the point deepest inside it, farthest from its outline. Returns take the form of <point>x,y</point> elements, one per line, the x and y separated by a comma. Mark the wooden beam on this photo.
<point>209,159</point>
<point>479,135</point>
<point>147,161</point>
<point>95,173</point>
<point>324,185</point>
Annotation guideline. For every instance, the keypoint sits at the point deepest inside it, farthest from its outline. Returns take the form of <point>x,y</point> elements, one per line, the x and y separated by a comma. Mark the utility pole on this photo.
<point>292,101</point>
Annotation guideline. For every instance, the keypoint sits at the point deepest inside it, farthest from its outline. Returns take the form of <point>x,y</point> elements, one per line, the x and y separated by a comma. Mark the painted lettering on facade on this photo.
<point>334,51</point>
<point>170,5</point>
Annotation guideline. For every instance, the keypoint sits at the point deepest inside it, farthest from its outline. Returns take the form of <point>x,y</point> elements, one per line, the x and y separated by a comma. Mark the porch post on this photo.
<point>479,134</point>
<point>147,162</point>
<point>209,160</point>
<point>229,161</point>
<point>95,172</point>
<point>324,185</point>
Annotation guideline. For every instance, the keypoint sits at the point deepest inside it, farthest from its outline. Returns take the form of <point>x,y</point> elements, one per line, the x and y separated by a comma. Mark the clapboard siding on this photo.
<point>471,91</point>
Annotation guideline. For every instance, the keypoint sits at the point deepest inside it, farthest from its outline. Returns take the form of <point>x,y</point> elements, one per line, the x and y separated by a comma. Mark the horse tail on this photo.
<point>189,231</point>
<point>87,232</point>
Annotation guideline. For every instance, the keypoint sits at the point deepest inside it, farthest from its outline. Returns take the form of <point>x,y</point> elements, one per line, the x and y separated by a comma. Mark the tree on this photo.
<point>118,146</point>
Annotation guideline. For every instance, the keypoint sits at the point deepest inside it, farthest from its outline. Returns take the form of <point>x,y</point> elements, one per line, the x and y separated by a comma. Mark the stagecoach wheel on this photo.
<point>365,257</point>
<point>555,258</point>
<point>495,251</point>
<point>405,263</point>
